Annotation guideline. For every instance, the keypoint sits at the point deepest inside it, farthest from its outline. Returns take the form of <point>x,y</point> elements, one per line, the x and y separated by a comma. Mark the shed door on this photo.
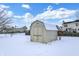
<point>38,33</point>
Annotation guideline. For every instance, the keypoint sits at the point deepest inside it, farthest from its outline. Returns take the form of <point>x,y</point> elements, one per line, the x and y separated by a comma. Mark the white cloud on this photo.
<point>10,13</point>
<point>53,14</point>
<point>25,19</point>
<point>65,13</point>
<point>61,14</point>
<point>48,14</point>
<point>66,20</point>
<point>17,16</point>
<point>4,6</point>
<point>28,15</point>
<point>26,6</point>
<point>49,7</point>
<point>28,18</point>
<point>6,11</point>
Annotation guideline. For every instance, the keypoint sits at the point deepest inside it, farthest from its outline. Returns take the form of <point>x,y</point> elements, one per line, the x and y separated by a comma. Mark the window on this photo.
<point>37,23</point>
<point>76,24</point>
<point>74,30</point>
<point>66,30</point>
<point>65,25</point>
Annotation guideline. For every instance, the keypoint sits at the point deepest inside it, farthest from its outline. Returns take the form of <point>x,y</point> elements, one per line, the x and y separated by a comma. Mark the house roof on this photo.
<point>71,22</point>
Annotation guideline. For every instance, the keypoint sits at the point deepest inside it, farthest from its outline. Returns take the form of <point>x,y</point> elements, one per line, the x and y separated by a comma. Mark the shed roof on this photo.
<point>50,26</point>
<point>47,26</point>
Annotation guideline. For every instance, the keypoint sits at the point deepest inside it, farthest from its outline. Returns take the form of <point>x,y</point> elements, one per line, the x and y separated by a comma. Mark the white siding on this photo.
<point>51,35</point>
<point>72,26</point>
<point>40,34</point>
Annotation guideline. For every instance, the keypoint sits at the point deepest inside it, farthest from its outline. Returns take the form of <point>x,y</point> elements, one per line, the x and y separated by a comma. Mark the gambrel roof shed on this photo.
<point>41,32</point>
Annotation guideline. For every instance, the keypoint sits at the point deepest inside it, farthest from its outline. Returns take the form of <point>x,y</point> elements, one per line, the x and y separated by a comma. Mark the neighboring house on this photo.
<point>41,32</point>
<point>72,26</point>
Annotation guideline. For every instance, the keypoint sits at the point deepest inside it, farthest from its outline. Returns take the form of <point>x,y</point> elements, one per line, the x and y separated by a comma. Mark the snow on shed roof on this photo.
<point>47,26</point>
<point>50,26</point>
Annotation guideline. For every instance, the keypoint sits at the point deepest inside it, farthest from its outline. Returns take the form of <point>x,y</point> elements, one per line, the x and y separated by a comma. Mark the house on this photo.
<point>41,32</point>
<point>72,26</point>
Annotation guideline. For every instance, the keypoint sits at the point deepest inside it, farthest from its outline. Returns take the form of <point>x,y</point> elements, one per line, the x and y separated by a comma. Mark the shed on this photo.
<point>41,32</point>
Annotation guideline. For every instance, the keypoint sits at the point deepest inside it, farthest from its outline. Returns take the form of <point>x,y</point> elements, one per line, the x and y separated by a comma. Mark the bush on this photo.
<point>27,32</point>
<point>69,34</point>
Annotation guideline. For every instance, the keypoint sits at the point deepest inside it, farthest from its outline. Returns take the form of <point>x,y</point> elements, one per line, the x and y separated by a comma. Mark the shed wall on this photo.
<point>51,35</point>
<point>40,34</point>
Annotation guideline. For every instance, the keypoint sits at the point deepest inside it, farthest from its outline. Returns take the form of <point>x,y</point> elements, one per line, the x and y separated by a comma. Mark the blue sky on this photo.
<point>26,13</point>
<point>38,7</point>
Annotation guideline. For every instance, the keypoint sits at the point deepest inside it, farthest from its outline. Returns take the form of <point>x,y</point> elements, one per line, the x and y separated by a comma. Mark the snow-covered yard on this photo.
<point>20,45</point>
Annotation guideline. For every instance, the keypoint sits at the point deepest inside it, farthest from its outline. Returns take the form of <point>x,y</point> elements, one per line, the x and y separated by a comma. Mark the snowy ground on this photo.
<point>20,45</point>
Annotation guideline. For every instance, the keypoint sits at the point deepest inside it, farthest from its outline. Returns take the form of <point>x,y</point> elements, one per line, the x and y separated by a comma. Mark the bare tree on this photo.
<point>60,32</point>
<point>25,28</point>
<point>4,18</point>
